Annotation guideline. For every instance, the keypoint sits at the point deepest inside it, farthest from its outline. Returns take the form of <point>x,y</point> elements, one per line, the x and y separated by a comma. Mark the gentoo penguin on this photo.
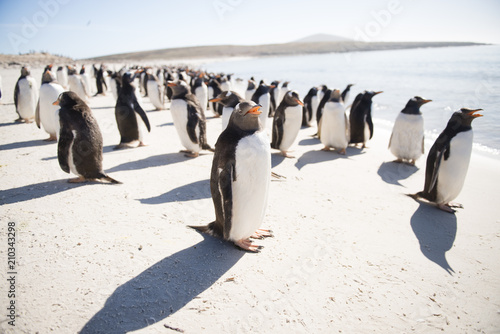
<point>448,161</point>
<point>286,122</point>
<point>240,178</point>
<point>85,75</point>
<point>229,100</point>
<point>407,138</point>
<point>214,90</point>
<point>77,84</point>
<point>155,90</point>
<point>307,110</point>
<point>100,83</point>
<point>323,94</point>
<point>200,89</point>
<point>334,124</point>
<point>344,97</point>
<point>251,88</point>
<point>46,113</point>
<point>189,119</point>
<point>283,89</point>
<point>127,113</point>
<point>225,83</point>
<point>79,150</point>
<point>360,118</point>
<point>262,97</point>
<point>115,84</point>
<point>26,96</point>
<point>62,76</point>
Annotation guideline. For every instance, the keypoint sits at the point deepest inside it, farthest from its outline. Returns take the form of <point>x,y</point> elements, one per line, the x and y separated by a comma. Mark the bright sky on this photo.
<point>81,29</point>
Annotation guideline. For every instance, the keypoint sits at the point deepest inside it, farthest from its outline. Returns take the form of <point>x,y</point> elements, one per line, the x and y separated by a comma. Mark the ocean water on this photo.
<point>453,77</point>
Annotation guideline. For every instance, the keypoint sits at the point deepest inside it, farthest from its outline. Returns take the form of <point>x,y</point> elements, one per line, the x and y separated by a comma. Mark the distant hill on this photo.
<point>33,59</point>
<point>295,48</point>
<point>320,38</point>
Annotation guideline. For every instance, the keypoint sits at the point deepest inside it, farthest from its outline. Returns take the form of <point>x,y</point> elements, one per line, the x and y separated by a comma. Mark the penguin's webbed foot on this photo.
<point>190,154</point>
<point>326,148</point>
<point>446,208</point>
<point>79,179</point>
<point>398,161</point>
<point>455,205</point>
<point>51,138</point>
<point>286,155</point>
<point>262,233</point>
<point>342,151</point>
<point>246,244</point>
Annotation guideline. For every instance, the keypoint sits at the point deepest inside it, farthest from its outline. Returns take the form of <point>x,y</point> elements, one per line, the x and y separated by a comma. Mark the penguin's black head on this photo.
<point>227,98</point>
<point>251,84</point>
<point>128,77</point>
<point>71,70</point>
<point>335,96</point>
<point>179,87</point>
<point>68,100</point>
<point>246,116</point>
<point>292,98</point>
<point>25,71</point>
<point>414,104</point>
<point>285,84</point>
<point>48,76</point>
<point>368,95</point>
<point>468,115</point>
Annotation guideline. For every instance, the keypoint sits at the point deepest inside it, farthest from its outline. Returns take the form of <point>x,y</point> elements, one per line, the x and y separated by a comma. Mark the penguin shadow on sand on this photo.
<point>152,161</point>
<point>319,156</point>
<point>188,192</point>
<point>165,124</point>
<point>276,159</point>
<point>34,191</point>
<point>24,144</point>
<point>392,172</point>
<point>436,231</point>
<point>164,288</point>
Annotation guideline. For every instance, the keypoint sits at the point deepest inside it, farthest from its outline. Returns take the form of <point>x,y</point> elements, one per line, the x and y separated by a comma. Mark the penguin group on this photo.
<point>241,168</point>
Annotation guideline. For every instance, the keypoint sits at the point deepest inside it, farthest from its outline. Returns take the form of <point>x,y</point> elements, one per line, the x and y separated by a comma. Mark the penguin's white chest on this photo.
<point>155,94</point>
<point>264,101</point>
<point>291,126</point>
<point>49,113</point>
<point>333,126</point>
<point>201,93</point>
<point>27,98</point>
<point>250,190</point>
<point>77,85</point>
<point>407,136</point>
<point>452,172</point>
<point>179,111</point>
<point>226,115</point>
<point>71,162</point>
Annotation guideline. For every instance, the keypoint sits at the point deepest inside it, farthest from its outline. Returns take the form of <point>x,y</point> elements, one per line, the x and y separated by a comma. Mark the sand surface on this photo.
<point>351,252</point>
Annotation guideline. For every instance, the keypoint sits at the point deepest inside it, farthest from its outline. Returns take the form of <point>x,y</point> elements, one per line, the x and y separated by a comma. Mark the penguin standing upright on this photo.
<point>214,90</point>
<point>127,114</point>
<point>345,94</point>
<point>307,110</point>
<point>115,84</point>
<point>86,75</point>
<point>286,122</point>
<point>100,82</point>
<point>200,89</point>
<point>334,124</point>
<point>251,88</point>
<point>46,113</point>
<point>76,84</point>
<point>79,150</point>
<point>62,76</point>
<point>155,90</point>
<point>262,97</point>
<point>360,118</point>
<point>274,93</point>
<point>283,89</point>
<point>240,179</point>
<point>229,99</point>
<point>26,96</point>
<point>189,119</point>
<point>448,161</point>
<point>407,138</point>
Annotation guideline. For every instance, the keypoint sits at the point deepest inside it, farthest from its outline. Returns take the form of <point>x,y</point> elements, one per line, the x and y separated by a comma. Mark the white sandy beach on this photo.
<point>351,252</point>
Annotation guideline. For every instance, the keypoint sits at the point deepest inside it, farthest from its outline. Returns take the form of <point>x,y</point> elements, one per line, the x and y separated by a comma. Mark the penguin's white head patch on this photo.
<point>228,93</point>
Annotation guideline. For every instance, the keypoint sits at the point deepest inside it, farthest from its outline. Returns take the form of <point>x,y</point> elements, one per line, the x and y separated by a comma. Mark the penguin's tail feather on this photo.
<point>209,229</point>
<point>109,179</point>
<point>417,196</point>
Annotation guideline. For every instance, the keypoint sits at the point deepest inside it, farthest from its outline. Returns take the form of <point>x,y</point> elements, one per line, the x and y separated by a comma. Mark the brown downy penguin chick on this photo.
<point>240,178</point>
<point>79,150</point>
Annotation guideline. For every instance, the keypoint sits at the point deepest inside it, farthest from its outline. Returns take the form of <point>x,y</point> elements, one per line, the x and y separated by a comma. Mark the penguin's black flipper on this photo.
<point>16,93</point>
<point>226,177</point>
<point>192,123</point>
<point>65,140</point>
<point>279,120</point>
<point>37,114</point>
<point>138,109</point>
<point>370,124</point>
<point>109,179</point>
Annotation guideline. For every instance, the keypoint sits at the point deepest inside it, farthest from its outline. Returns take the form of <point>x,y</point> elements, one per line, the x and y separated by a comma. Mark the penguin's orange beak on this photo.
<point>255,110</point>
<point>215,99</point>
<point>475,115</point>
<point>171,84</point>
<point>299,102</point>
<point>426,101</point>
<point>378,92</point>
<point>55,103</point>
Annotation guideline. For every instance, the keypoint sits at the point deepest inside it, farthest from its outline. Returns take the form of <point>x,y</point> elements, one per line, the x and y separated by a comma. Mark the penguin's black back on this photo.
<point>359,116</point>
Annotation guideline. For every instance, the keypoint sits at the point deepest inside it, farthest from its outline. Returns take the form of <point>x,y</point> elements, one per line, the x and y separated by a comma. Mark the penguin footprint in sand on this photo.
<point>240,178</point>
<point>79,149</point>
